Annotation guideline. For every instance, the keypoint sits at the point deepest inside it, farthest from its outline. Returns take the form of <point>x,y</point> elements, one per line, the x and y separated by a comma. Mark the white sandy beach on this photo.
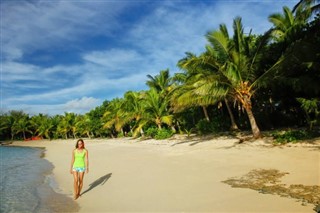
<point>185,175</point>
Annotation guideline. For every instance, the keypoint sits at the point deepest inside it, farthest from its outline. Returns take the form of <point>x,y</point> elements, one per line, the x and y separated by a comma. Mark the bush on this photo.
<point>204,126</point>
<point>291,136</point>
<point>163,134</point>
<point>129,134</point>
<point>151,132</point>
<point>120,135</point>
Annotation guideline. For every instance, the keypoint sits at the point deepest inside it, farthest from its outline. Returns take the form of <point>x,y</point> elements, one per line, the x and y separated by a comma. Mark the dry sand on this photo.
<point>185,175</point>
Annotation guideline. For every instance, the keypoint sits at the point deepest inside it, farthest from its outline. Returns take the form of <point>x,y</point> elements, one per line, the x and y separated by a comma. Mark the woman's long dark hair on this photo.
<point>79,140</point>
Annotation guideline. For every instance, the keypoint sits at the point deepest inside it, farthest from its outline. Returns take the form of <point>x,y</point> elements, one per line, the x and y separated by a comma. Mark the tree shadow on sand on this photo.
<point>100,181</point>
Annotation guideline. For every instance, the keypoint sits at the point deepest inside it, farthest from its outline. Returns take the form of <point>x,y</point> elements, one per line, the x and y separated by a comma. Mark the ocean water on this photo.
<point>27,185</point>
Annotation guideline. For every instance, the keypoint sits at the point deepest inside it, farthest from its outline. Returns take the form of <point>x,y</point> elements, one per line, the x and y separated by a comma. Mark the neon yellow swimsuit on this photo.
<point>79,161</point>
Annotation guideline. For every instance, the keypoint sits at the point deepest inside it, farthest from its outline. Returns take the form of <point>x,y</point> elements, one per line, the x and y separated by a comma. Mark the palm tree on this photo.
<point>285,25</point>
<point>114,116</point>
<point>196,76</point>
<point>22,125</point>
<point>134,108</point>
<point>83,125</point>
<point>67,125</point>
<point>157,108</point>
<point>290,23</point>
<point>162,83</point>
<point>307,5</point>
<point>42,125</point>
<point>234,59</point>
<point>233,68</point>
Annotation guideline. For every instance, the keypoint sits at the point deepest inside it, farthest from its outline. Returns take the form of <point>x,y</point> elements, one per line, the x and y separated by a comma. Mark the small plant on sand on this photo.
<point>188,131</point>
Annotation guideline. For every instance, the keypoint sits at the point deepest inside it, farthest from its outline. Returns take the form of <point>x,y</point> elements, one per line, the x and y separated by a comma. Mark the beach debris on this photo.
<point>267,181</point>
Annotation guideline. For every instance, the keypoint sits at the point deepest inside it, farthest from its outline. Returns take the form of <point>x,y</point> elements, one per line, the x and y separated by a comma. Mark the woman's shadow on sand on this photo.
<point>100,181</point>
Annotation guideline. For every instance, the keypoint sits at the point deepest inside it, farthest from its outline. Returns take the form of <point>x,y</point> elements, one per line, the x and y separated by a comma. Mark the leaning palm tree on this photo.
<point>186,95</point>
<point>233,65</point>
<point>308,5</point>
<point>234,59</point>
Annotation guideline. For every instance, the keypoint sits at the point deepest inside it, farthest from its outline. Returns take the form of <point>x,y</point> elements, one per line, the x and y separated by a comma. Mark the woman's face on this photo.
<point>80,144</point>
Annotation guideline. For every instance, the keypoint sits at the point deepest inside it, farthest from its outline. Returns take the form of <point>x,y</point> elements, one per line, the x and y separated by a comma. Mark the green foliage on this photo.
<point>287,68</point>
<point>158,134</point>
<point>282,137</point>
<point>151,132</point>
<point>120,135</point>
<point>129,134</point>
<point>205,127</point>
<point>311,108</point>
<point>163,134</point>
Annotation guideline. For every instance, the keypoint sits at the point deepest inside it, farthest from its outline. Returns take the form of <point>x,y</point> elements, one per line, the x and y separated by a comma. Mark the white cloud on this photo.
<point>84,104</point>
<point>155,41</point>
<point>114,59</point>
<point>30,26</point>
<point>78,106</point>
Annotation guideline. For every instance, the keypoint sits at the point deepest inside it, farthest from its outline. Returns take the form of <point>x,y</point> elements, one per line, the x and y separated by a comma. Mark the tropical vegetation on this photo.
<point>241,82</point>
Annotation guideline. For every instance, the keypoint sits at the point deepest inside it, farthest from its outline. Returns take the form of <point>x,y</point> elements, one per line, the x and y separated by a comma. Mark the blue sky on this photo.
<point>69,56</point>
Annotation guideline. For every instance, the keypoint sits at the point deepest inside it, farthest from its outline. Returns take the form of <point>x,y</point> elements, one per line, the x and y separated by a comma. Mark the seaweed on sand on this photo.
<point>267,181</point>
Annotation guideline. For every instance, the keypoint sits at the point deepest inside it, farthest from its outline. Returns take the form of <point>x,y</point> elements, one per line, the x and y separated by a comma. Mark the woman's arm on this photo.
<point>72,161</point>
<point>87,161</point>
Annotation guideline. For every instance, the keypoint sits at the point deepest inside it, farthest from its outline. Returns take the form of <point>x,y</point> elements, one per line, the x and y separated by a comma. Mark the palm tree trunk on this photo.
<point>254,127</point>
<point>141,132</point>
<point>88,134</point>
<point>233,122</point>
<point>205,111</point>
<point>24,134</point>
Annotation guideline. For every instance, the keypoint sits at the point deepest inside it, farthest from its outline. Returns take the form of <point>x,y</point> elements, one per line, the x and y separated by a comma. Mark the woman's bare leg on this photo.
<point>76,184</point>
<point>81,176</point>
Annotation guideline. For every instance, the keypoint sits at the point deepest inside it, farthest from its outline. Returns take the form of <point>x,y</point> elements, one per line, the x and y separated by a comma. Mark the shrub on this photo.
<point>151,132</point>
<point>163,134</point>
<point>129,134</point>
<point>291,136</point>
<point>204,126</point>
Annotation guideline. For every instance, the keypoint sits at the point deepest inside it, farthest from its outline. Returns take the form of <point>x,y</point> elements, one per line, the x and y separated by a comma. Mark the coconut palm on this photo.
<point>83,125</point>
<point>134,108</point>
<point>233,73</point>
<point>162,83</point>
<point>42,125</point>
<point>67,125</point>
<point>311,6</point>
<point>155,111</point>
<point>291,22</point>
<point>22,125</point>
<point>114,115</point>
<point>186,95</point>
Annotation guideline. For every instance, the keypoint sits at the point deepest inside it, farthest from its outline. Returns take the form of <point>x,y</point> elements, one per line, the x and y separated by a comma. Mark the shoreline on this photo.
<point>181,174</point>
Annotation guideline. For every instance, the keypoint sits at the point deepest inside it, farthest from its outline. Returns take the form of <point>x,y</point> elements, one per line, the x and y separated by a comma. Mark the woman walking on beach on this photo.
<point>79,164</point>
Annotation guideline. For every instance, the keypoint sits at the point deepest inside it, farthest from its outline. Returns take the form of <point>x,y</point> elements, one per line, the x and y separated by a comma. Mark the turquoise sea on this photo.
<point>27,185</point>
